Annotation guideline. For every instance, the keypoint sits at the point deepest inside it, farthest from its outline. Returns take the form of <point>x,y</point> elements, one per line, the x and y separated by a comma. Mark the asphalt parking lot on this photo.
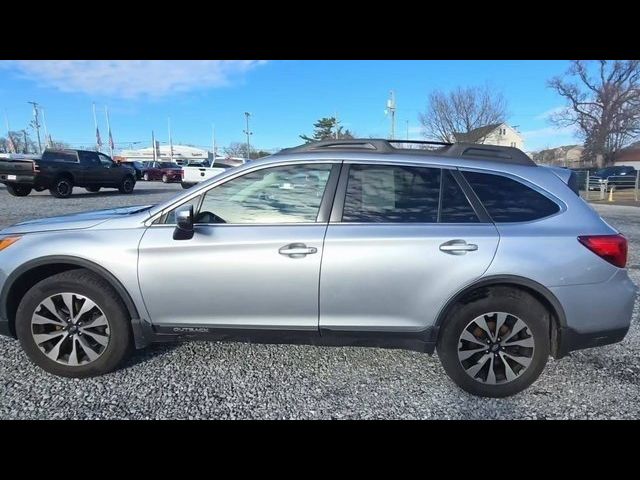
<point>235,380</point>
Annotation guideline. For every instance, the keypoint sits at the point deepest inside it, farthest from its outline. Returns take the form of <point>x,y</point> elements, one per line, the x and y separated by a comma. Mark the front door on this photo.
<point>254,260</point>
<point>402,240</point>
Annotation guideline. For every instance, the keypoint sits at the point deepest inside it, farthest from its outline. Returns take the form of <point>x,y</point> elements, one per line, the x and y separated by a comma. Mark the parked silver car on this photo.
<point>470,249</point>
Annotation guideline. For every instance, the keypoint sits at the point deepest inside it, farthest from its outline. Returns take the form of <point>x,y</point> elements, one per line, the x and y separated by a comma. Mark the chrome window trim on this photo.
<point>203,191</point>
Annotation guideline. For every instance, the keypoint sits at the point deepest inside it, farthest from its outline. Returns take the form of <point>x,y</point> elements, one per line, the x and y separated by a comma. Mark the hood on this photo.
<point>73,221</point>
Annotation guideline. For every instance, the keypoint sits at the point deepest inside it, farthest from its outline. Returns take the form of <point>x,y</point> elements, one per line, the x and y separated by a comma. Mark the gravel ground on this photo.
<point>234,380</point>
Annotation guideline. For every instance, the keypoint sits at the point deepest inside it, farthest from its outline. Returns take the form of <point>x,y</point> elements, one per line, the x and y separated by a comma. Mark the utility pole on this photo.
<point>213,142</point>
<point>36,124</point>
<point>391,109</point>
<point>407,129</point>
<point>337,123</point>
<point>153,143</point>
<point>248,133</point>
<point>170,140</point>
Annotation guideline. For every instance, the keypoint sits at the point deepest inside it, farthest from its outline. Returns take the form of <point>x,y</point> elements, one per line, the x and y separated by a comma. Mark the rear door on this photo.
<point>90,171</point>
<point>402,241</point>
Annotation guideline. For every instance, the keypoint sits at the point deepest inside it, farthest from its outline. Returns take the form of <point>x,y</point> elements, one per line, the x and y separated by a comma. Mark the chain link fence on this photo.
<point>597,188</point>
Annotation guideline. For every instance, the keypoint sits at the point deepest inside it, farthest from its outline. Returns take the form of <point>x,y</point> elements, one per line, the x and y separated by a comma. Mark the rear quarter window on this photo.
<point>507,200</point>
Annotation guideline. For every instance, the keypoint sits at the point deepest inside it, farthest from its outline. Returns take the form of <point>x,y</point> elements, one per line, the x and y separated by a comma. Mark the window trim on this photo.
<point>323,211</point>
<point>562,207</point>
<point>341,193</point>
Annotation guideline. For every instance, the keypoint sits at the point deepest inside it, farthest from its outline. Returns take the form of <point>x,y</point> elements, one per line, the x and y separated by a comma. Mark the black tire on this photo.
<point>127,184</point>
<point>62,187</point>
<point>93,189</point>
<point>18,190</point>
<point>499,299</point>
<point>187,185</point>
<point>85,283</point>
<point>165,179</point>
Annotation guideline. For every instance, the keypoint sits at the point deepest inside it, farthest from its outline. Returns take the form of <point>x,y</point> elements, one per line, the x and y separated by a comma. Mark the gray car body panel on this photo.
<point>382,277</point>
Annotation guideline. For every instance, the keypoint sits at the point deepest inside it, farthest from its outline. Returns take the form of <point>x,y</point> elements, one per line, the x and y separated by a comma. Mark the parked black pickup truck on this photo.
<point>61,170</point>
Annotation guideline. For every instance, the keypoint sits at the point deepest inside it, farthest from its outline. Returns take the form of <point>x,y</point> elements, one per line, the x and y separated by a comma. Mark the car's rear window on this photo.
<point>507,200</point>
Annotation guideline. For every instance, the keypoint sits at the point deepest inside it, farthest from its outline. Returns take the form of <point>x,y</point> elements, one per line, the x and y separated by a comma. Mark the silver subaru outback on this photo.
<point>470,249</point>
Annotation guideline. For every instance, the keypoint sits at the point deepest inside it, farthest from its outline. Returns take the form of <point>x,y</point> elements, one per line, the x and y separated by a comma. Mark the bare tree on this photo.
<point>239,149</point>
<point>603,102</point>
<point>460,111</point>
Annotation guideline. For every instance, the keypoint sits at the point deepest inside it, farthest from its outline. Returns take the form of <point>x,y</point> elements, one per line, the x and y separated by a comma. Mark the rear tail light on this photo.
<point>612,248</point>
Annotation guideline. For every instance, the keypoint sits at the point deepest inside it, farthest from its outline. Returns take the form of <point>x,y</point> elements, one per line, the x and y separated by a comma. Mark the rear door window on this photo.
<point>392,194</point>
<point>89,158</point>
<point>507,200</point>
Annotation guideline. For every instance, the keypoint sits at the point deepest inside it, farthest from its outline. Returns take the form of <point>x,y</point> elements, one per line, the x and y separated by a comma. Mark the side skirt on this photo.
<point>423,341</point>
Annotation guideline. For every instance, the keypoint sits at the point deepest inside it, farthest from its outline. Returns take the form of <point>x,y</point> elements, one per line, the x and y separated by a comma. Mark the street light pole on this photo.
<point>248,133</point>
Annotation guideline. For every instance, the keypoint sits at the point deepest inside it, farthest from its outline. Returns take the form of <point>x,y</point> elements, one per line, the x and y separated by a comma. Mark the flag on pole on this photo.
<point>111,145</point>
<point>98,139</point>
<point>95,120</point>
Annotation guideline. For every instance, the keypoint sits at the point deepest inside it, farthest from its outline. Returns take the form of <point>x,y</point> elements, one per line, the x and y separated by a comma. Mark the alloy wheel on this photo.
<point>70,329</point>
<point>496,348</point>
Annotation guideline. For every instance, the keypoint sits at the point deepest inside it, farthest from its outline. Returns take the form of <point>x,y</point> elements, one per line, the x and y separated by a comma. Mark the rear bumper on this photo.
<point>595,314</point>
<point>25,179</point>
<point>571,340</point>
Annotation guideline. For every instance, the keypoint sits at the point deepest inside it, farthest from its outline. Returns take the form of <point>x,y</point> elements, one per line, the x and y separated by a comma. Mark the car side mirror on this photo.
<point>184,223</point>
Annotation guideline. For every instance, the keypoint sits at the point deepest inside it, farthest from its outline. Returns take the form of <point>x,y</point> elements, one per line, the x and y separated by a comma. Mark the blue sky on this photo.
<point>284,97</point>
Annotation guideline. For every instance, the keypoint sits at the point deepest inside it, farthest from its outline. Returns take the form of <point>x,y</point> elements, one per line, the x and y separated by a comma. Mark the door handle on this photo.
<point>297,250</point>
<point>458,247</point>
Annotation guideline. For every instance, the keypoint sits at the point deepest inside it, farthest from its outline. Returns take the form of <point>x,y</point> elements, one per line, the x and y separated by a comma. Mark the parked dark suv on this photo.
<point>61,170</point>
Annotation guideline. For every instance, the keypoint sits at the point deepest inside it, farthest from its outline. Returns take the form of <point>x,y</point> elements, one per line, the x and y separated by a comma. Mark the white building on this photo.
<point>495,134</point>
<point>181,154</point>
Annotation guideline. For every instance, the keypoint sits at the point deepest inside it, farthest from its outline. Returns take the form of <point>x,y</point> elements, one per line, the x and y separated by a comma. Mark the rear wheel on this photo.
<point>62,187</point>
<point>187,185</point>
<point>92,189</point>
<point>18,190</point>
<point>74,324</point>
<point>496,346</point>
<point>145,177</point>
<point>127,184</point>
<point>165,178</point>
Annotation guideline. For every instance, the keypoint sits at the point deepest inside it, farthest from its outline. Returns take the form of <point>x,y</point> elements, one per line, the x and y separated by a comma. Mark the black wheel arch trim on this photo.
<point>137,325</point>
<point>558,349</point>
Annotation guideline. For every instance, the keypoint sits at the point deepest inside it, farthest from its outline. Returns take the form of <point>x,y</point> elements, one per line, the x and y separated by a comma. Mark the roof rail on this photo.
<point>493,153</point>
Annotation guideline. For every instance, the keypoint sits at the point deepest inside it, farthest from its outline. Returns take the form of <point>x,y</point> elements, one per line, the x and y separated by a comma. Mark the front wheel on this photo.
<point>146,177</point>
<point>74,324</point>
<point>92,189</point>
<point>165,179</point>
<point>187,185</point>
<point>496,346</point>
<point>18,190</point>
<point>127,184</point>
